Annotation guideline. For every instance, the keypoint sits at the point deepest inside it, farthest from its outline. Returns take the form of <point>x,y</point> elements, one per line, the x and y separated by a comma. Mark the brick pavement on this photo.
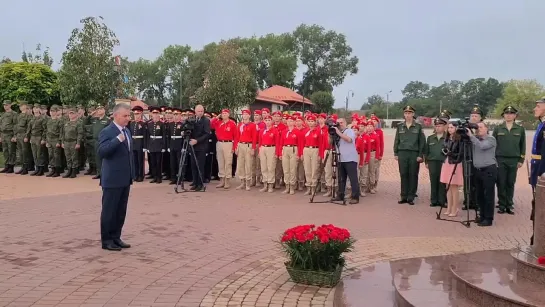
<point>207,249</point>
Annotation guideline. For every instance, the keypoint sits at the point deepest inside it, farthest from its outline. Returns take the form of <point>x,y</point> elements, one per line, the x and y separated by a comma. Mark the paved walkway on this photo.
<point>208,249</point>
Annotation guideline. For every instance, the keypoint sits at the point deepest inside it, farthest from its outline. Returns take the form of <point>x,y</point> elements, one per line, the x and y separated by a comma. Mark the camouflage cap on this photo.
<point>71,109</point>
<point>22,103</point>
<point>36,105</point>
<point>79,106</point>
<point>54,108</point>
<point>7,102</point>
<point>43,107</point>
<point>99,106</point>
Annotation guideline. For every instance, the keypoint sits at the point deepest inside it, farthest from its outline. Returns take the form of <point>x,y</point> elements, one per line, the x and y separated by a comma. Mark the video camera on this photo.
<point>331,125</point>
<point>463,125</point>
<point>188,124</point>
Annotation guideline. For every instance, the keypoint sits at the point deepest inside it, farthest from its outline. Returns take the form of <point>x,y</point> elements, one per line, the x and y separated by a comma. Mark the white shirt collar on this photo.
<point>118,127</point>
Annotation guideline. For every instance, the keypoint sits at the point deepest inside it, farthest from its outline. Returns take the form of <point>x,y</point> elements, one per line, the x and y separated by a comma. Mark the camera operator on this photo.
<point>484,161</point>
<point>348,158</point>
<point>476,116</point>
<point>199,141</point>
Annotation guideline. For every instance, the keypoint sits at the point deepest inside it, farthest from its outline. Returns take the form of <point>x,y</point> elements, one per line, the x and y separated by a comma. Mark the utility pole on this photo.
<point>347,98</point>
<point>388,104</point>
<point>181,93</point>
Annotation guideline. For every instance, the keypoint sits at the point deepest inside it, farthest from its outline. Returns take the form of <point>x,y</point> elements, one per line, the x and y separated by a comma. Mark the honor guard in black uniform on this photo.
<point>188,175</point>
<point>211,160</point>
<point>155,143</point>
<point>138,146</point>
<point>175,141</point>
<point>167,119</point>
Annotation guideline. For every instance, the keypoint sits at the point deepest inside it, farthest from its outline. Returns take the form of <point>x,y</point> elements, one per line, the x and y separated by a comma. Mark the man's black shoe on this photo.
<point>111,247</point>
<point>501,211</point>
<point>410,202</point>
<point>402,201</point>
<point>434,205</point>
<point>121,244</point>
<point>197,188</point>
<point>509,211</point>
<point>172,182</point>
<point>485,223</point>
<point>354,201</point>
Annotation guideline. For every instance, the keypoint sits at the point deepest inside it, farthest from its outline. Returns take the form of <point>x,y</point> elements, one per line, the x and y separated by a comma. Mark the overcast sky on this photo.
<point>396,40</point>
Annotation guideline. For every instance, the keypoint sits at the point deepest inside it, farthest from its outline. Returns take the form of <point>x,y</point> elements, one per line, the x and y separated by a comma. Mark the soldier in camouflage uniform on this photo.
<point>71,139</point>
<point>23,153</point>
<point>43,110</point>
<point>82,152</point>
<point>101,121</point>
<point>35,135</point>
<point>8,121</point>
<point>90,154</point>
<point>30,115</point>
<point>53,141</point>
<point>64,118</point>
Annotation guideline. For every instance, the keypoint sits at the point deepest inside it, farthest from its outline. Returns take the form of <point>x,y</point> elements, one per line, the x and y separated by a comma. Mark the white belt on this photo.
<point>138,137</point>
<point>176,137</point>
<point>155,137</point>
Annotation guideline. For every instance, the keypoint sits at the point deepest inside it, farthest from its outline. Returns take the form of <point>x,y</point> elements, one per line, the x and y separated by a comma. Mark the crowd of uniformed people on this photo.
<point>267,150</point>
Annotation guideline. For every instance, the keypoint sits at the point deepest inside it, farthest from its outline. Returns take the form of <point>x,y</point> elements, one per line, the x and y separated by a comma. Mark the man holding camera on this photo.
<point>199,141</point>
<point>476,116</point>
<point>486,171</point>
<point>348,158</point>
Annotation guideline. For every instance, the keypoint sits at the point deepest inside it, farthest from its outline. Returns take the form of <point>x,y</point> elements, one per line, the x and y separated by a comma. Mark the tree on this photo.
<point>323,101</point>
<point>415,90</point>
<point>199,63</point>
<point>447,96</point>
<point>522,95</point>
<point>5,60</point>
<point>375,100</point>
<point>87,71</point>
<point>38,57</point>
<point>482,92</point>
<point>173,64</point>
<point>33,82</point>
<point>327,56</point>
<point>148,80</point>
<point>227,83</point>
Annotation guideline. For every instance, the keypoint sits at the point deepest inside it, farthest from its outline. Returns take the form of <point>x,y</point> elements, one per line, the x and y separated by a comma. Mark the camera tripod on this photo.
<point>187,149</point>
<point>334,154</point>
<point>467,164</point>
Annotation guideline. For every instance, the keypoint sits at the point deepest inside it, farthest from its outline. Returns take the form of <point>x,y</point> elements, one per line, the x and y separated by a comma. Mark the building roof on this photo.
<point>284,94</point>
<point>139,103</point>
<point>266,98</point>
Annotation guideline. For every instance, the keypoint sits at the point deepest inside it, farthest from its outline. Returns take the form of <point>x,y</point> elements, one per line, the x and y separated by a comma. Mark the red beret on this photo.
<point>246,111</point>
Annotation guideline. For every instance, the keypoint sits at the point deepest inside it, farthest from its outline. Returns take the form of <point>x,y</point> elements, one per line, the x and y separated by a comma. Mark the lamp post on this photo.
<point>388,104</point>
<point>347,98</point>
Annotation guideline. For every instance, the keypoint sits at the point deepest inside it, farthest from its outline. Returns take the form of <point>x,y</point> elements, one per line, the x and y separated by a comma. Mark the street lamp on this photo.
<point>347,97</point>
<point>388,104</point>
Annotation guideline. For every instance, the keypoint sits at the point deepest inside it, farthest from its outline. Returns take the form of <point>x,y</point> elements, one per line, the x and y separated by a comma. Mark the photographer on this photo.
<point>348,158</point>
<point>199,141</point>
<point>484,161</point>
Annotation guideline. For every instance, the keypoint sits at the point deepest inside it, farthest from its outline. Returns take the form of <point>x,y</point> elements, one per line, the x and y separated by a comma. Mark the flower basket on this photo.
<point>315,278</point>
<point>316,253</point>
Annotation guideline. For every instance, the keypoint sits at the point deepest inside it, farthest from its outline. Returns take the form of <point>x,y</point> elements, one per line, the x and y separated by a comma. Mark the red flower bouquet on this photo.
<point>316,249</point>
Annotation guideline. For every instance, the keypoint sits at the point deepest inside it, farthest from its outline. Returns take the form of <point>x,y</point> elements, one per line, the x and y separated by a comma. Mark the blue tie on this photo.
<point>126,137</point>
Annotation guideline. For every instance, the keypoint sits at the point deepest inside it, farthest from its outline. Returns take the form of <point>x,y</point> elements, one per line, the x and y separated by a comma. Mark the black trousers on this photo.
<point>350,170</point>
<point>114,211</point>
<point>485,188</point>
<point>175,156</point>
<point>138,156</point>
<point>156,164</point>
<point>200,156</point>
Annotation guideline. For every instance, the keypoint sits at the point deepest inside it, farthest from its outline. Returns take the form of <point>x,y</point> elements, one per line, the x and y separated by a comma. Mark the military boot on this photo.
<point>68,173</point>
<point>97,176</point>
<point>270,188</point>
<point>287,190</point>
<point>75,171</point>
<point>264,188</point>
<point>36,171</point>
<point>11,169</point>
<point>89,171</point>
<point>227,184</point>
<point>5,169</point>
<point>24,169</point>
<point>51,172</point>
<point>221,184</point>
<point>93,171</point>
<point>242,185</point>
<point>248,185</point>
<point>41,171</point>
<point>57,172</point>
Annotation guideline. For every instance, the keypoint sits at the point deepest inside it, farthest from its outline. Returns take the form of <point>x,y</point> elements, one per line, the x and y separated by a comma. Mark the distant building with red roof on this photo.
<point>293,100</point>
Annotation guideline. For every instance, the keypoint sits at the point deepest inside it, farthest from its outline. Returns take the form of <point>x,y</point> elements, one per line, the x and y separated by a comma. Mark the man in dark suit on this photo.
<point>116,177</point>
<point>199,141</point>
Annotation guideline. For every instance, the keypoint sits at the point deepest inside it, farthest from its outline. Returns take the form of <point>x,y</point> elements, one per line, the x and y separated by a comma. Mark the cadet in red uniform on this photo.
<point>226,133</point>
<point>375,143</point>
<point>290,154</point>
<point>256,168</point>
<point>380,151</point>
<point>364,150</point>
<point>245,145</point>
<point>268,149</point>
<point>300,127</point>
<point>278,124</point>
<point>313,153</point>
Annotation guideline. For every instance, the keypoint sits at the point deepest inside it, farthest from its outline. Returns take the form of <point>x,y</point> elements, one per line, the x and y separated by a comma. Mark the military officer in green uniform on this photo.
<point>8,121</point>
<point>510,153</point>
<point>25,155</point>
<point>35,135</point>
<point>90,154</point>
<point>434,158</point>
<point>64,118</point>
<point>81,153</point>
<point>43,110</point>
<point>409,146</point>
<point>71,139</point>
<point>101,121</point>
<point>53,141</point>
<point>30,115</point>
